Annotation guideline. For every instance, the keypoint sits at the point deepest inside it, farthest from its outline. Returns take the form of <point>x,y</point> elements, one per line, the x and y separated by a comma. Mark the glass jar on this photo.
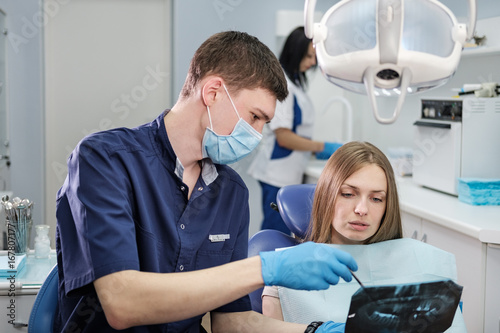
<point>42,241</point>
<point>18,235</point>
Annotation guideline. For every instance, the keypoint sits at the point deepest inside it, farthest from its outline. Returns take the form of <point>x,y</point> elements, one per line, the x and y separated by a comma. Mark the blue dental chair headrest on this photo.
<point>295,205</point>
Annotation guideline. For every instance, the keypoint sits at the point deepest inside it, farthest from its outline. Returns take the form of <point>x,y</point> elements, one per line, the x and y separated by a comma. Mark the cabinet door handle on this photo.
<point>424,238</point>
<point>18,324</point>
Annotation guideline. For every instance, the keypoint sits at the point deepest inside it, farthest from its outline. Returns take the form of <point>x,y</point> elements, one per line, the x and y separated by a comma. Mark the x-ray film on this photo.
<point>420,307</point>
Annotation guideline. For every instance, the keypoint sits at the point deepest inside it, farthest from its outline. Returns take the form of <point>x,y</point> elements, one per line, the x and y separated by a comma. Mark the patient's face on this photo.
<point>360,206</point>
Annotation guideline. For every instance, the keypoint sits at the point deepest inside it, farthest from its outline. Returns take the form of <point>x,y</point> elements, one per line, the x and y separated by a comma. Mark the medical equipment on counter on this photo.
<point>388,47</point>
<point>486,89</point>
<point>489,89</point>
<point>456,138</point>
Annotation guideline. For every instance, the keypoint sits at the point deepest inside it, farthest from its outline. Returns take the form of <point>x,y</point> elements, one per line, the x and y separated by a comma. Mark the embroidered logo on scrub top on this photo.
<point>218,238</point>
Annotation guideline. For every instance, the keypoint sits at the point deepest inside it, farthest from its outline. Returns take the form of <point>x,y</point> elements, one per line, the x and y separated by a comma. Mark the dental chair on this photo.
<point>45,306</point>
<point>294,205</point>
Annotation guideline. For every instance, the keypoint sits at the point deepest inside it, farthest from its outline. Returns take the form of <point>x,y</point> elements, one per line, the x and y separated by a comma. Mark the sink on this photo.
<point>314,169</point>
<point>314,163</point>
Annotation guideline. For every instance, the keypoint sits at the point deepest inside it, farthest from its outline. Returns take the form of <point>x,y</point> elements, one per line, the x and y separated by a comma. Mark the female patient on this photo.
<point>355,202</point>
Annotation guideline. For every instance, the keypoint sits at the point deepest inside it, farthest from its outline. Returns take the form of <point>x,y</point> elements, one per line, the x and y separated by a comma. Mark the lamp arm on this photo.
<point>471,27</point>
<point>369,81</point>
<point>309,8</point>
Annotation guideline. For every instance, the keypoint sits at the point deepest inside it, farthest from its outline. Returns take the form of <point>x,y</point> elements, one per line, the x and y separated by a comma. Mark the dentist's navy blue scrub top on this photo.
<point>123,206</point>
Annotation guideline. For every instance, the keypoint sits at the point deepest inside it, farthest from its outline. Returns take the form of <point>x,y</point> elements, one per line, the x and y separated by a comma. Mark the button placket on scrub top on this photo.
<point>182,226</point>
<point>182,188</point>
<point>181,267</point>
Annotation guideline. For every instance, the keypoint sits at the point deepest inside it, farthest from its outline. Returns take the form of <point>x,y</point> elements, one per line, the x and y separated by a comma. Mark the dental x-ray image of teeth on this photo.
<point>421,307</point>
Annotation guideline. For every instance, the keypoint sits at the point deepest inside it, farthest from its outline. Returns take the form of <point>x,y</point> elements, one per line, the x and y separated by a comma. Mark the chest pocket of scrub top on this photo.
<point>217,249</point>
<point>206,259</point>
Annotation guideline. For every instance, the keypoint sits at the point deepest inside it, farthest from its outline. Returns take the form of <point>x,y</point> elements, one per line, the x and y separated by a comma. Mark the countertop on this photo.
<point>481,222</point>
<point>31,277</point>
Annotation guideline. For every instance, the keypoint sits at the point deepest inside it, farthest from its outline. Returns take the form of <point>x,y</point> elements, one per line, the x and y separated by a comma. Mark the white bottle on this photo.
<point>42,241</point>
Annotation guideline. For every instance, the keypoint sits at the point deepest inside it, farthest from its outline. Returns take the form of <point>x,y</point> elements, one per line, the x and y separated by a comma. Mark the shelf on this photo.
<point>480,51</point>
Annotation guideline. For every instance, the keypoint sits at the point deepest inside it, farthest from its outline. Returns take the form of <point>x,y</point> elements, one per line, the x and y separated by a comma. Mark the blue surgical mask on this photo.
<point>227,149</point>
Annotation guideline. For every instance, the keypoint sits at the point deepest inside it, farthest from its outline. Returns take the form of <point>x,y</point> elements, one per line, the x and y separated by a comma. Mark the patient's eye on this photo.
<point>378,198</point>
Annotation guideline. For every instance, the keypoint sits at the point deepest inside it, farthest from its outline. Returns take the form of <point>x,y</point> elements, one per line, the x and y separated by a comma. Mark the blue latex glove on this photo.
<point>330,148</point>
<point>331,327</point>
<point>308,266</point>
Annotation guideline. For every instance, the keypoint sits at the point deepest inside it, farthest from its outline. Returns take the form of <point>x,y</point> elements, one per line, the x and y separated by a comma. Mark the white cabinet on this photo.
<point>23,305</point>
<point>412,226</point>
<point>470,255</point>
<point>492,296</point>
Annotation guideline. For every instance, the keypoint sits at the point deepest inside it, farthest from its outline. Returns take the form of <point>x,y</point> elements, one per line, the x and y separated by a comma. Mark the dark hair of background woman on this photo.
<point>294,50</point>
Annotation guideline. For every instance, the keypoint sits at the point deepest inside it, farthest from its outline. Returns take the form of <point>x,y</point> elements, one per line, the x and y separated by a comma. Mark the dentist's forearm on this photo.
<point>133,298</point>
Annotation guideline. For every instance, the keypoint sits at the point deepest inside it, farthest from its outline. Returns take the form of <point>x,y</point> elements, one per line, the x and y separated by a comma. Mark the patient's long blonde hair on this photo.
<point>348,159</point>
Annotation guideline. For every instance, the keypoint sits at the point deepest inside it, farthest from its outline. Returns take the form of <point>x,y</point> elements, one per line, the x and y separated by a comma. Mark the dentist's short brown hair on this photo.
<point>241,60</point>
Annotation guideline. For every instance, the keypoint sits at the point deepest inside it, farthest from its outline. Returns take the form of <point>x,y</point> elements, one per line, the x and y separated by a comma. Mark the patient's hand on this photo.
<point>271,307</point>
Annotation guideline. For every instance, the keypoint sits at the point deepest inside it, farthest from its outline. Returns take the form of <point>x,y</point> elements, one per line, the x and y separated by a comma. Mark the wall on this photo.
<point>195,20</point>
<point>25,114</point>
<point>4,136</point>
<point>107,65</point>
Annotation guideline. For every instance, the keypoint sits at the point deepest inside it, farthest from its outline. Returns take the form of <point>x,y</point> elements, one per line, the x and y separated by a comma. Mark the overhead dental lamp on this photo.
<point>388,47</point>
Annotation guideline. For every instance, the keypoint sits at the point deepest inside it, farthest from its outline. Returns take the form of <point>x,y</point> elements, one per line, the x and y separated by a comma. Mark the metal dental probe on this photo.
<point>362,285</point>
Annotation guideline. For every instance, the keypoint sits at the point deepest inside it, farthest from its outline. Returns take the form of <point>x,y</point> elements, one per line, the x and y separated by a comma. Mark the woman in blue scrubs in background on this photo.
<point>287,144</point>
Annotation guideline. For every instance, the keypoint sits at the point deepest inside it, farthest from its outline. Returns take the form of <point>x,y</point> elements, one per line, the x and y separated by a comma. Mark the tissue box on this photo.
<point>476,191</point>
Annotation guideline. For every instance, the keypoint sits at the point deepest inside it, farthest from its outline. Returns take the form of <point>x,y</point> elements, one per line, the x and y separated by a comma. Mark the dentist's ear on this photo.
<point>211,89</point>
